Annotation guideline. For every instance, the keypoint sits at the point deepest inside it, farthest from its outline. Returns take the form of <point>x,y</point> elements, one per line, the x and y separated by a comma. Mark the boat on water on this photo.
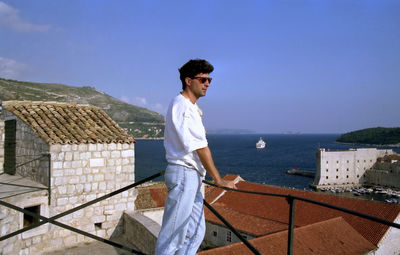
<point>260,144</point>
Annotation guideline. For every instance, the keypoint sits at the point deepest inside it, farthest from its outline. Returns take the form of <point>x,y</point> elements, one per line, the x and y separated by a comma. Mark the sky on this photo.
<point>322,66</point>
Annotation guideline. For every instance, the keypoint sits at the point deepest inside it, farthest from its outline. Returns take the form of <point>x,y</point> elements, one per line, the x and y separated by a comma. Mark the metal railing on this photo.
<point>289,198</point>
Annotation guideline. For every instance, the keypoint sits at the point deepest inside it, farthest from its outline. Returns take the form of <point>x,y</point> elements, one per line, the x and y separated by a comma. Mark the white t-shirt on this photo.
<point>184,134</point>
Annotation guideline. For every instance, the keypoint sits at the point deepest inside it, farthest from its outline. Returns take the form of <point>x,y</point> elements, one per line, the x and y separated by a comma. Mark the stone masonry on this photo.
<point>1,144</point>
<point>81,173</point>
<point>86,164</point>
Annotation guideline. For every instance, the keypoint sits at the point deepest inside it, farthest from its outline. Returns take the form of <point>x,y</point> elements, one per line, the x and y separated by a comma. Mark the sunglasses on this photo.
<point>203,79</point>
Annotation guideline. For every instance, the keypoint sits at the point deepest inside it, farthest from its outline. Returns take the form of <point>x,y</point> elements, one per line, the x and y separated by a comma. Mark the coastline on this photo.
<point>148,138</point>
<point>371,145</point>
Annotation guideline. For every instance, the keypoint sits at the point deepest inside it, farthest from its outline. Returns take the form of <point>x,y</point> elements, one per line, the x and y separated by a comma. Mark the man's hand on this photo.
<point>227,184</point>
<point>208,163</point>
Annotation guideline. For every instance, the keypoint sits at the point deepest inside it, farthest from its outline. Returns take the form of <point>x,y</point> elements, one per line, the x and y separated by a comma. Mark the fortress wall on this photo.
<point>384,174</point>
<point>345,168</point>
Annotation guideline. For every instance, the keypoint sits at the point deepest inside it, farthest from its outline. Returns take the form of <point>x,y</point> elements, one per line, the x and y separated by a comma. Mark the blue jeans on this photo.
<point>183,224</point>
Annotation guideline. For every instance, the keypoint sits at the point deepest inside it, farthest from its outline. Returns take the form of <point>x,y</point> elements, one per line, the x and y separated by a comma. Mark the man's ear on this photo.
<point>188,81</point>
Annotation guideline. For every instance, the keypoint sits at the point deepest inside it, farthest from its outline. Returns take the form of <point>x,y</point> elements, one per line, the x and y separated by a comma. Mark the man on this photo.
<point>189,158</point>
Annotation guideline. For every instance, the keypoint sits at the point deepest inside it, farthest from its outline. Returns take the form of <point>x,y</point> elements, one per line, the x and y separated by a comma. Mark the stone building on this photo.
<point>58,156</point>
<point>345,168</point>
<point>385,172</point>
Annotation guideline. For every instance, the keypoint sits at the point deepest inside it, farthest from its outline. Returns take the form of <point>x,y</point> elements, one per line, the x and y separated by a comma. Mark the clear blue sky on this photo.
<point>302,66</point>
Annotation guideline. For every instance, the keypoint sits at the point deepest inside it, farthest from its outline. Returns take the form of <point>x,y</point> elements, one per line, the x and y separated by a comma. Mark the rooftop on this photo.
<point>268,214</point>
<point>65,123</point>
<point>151,196</point>
<point>333,236</point>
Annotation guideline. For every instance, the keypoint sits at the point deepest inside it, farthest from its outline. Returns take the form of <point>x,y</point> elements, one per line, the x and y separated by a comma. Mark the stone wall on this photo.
<point>78,173</point>
<point>141,232</point>
<point>29,242</point>
<point>2,137</point>
<point>384,174</point>
<point>345,168</point>
<point>29,147</point>
<point>81,173</point>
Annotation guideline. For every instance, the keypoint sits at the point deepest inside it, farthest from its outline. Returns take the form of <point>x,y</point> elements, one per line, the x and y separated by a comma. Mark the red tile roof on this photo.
<point>151,196</point>
<point>64,123</point>
<point>276,209</point>
<point>254,225</point>
<point>333,236</point>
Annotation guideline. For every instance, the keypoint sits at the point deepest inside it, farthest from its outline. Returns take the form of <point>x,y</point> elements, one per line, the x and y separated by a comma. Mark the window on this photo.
<point>337,177</point>
<point>347,169</point>
<point>9,146</point>
<point>347,176</point>
<point>214,233</point>
<point>358,175</point>
<point>30,220</point>
<point>337,169</point>
<point>337,162</point>
<point>98,225</point>
<point>327,170</point>
<point>347,161</point>
<point>327,162</point>
<point>229,236</point>
<point>327,177</point>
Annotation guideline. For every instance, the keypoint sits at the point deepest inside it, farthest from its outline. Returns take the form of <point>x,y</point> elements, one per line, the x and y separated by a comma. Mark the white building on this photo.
<point>345,168</point>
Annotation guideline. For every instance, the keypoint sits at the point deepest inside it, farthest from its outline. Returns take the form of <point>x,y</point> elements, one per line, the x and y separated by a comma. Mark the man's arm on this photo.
<point>208,163</point>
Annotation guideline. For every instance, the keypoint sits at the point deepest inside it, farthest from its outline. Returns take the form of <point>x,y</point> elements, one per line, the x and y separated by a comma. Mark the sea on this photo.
<point>237,154</point>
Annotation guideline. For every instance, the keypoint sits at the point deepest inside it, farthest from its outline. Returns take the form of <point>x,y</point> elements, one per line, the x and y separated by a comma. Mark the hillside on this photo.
<point>378,136</point>
<point>138,121</point>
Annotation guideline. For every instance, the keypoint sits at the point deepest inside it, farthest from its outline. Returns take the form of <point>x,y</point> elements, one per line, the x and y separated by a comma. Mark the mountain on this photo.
<point>139,122</point>
<point>227,131</point>
<point>377,135</point>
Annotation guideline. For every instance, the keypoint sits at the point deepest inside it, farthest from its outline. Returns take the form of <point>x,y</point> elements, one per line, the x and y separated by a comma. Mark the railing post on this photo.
<point>49,177</point>
<point>290,200</point>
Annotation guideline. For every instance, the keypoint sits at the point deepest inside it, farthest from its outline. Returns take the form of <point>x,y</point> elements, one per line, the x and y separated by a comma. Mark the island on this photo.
<point>372,136</point>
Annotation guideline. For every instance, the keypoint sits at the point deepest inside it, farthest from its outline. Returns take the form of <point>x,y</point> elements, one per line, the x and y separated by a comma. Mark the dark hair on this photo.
<point>194,67</point>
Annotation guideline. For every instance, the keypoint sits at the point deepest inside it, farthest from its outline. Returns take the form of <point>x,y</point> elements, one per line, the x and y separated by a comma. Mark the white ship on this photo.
<point>260,144</point>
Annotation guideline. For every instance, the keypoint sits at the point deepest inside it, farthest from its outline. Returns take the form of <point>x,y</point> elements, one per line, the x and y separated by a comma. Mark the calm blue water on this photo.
<point>237,154</point>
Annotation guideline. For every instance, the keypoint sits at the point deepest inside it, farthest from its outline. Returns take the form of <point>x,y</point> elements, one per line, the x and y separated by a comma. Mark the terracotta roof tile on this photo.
<point>277,209</point>
<point>151,196</point>
<point>65,123</point>
<point>254,225</point>
<point>333,236</point>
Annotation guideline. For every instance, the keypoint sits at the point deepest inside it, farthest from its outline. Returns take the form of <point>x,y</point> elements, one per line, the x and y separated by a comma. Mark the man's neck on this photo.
<point>189,96</point>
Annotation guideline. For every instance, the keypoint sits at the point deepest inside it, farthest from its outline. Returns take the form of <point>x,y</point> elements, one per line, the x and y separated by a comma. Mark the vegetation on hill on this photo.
<point>139,122</point>
<point>378,136</point>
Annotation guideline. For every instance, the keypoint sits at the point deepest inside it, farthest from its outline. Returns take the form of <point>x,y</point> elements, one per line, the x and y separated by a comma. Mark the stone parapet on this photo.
<point>141,232</point>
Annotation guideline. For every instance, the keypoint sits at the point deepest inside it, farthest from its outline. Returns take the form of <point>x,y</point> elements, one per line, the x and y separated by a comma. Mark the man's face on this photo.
<point>198,85</point>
